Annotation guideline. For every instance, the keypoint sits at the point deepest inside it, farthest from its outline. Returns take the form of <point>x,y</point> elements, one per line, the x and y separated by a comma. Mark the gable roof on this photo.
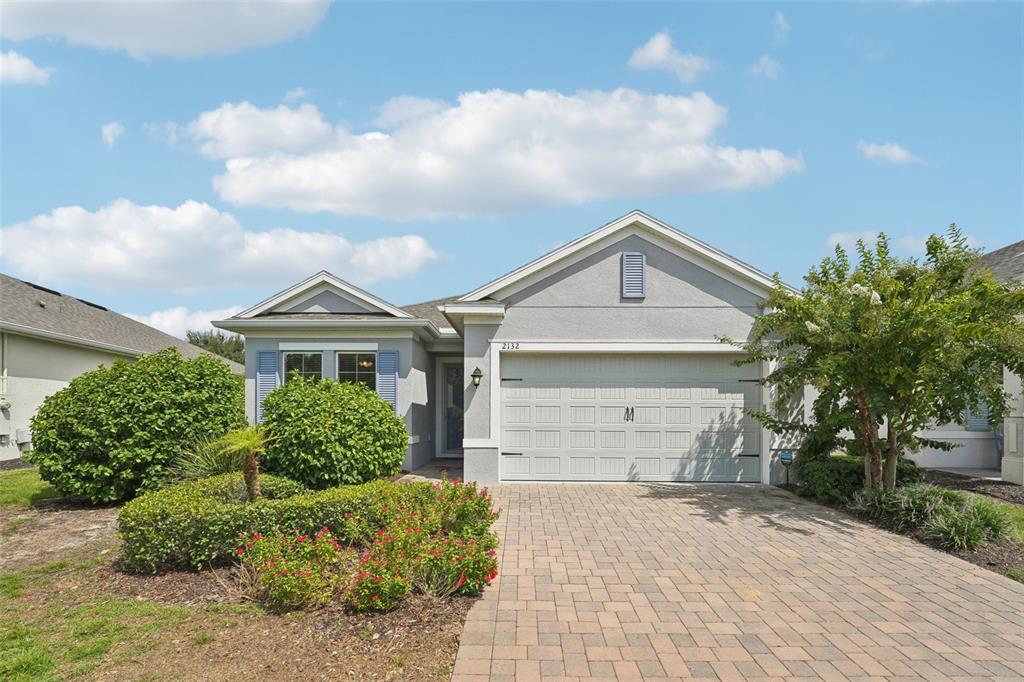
<point>349,291</point>
<point>431,310</point>
<point>684,245</point>
<point>1007,262</point>
<point>34,310</point>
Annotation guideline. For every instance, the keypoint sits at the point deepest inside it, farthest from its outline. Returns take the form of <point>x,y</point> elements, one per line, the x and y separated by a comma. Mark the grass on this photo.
<point>47,636</point>
<point>24,488</point>
<point>1016,516</point>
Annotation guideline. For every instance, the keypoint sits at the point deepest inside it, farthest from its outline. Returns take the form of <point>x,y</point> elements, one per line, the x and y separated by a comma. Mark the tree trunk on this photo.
<point>869,435</point>
<point>892,458</point>
<point>251,470</point>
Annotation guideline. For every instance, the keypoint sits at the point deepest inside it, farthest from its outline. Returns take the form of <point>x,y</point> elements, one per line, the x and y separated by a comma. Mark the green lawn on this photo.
<point>23,487</point>
<point>1016,515</point>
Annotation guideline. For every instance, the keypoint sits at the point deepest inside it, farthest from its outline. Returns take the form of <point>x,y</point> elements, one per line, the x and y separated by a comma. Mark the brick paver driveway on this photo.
<point>727,582</point>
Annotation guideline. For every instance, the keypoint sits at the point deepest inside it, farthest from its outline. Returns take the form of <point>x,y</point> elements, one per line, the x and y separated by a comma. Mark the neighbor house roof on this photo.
<point>34,310</point>
<point>1007,262</point>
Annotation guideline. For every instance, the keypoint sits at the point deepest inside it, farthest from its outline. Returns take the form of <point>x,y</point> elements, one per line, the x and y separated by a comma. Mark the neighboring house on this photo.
<point>977,445</point>
<point>48,338</point>
<point>597,361</point>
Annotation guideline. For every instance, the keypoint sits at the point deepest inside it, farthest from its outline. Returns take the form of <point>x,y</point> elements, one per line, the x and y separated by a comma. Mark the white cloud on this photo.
<point>780,25</point>
<point>110,132</point>
<point>296,94</point>
<point>172,28</point>
<point>17,69</point>
<point>176,321</point>
<point>405,108</point>
<point>659,53</point>
<point>766,67</point>
<point>192,247</point>
<point>848,240</point>
<point>244,130</point>
<point>888,152</point>
<point>490,153</point>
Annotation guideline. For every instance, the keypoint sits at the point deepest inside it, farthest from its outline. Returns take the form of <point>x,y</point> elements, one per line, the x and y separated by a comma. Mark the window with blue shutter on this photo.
<point>266,378</point>
<point>387,376</point>
<point>634,284</point>
<point>977,419</point>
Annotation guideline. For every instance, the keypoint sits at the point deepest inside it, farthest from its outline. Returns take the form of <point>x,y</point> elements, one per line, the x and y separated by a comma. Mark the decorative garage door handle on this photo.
<point>630,414</point>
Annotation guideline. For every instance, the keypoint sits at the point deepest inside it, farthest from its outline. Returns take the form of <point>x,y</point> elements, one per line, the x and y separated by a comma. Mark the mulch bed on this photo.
<point>1008,492</point>
<point>12,464</point>
<point>416,641</point>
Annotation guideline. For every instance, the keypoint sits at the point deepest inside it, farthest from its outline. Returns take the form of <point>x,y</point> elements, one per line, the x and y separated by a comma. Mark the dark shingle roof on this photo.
<point>428,311</point>
<point>34,306</point>
<point>1007,262</point>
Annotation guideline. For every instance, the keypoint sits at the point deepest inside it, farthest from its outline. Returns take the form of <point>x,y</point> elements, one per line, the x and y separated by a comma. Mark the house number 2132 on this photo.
<point>510,345</point>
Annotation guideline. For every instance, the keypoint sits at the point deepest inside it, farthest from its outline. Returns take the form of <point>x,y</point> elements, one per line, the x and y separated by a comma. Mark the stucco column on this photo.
<point>480,441</point>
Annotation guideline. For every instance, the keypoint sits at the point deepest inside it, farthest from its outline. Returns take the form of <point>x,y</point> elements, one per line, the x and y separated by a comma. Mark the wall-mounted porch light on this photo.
<point>477,375</point>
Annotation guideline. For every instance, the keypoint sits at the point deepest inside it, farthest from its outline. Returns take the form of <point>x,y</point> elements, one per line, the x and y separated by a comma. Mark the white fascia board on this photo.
<point>472,308</point>
<point>276,323</point>
<point>678,242</point>
<point>323,277</point>
<point>25,330</point>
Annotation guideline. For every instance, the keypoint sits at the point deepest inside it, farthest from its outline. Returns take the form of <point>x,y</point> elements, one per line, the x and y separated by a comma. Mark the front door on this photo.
<point>453,409</point>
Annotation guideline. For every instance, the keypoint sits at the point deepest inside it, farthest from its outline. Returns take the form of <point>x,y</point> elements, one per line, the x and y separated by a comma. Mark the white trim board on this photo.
<point>349,291</point>
<point>636,222</point>
<point>67,339</point>
<point>617,347</point>
<point>369,347</point>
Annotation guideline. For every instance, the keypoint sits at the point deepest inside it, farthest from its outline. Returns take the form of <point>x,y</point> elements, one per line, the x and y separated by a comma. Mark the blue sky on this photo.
<point>425,149</point>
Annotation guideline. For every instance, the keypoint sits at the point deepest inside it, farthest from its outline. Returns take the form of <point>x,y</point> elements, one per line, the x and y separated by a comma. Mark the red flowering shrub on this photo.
<point>448,565</point>
<point>376,586</point>
<point>293,570</point>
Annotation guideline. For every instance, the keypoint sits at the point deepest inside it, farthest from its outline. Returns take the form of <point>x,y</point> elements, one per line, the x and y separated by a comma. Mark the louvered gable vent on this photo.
<point>634,284</point>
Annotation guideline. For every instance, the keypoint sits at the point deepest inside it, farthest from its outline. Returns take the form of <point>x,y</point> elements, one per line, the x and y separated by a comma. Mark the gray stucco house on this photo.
<point>597,361</point>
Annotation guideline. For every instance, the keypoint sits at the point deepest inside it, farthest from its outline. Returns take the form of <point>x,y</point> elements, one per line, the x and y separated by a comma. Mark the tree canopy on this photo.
<point>891,346</point>
<point>230,346</point>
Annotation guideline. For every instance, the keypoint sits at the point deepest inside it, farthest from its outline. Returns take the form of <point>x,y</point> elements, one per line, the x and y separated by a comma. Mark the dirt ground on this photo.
<point>50,531</point>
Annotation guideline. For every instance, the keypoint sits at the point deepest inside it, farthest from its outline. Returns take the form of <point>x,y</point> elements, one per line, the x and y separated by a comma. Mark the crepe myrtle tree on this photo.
<point>891,345</point>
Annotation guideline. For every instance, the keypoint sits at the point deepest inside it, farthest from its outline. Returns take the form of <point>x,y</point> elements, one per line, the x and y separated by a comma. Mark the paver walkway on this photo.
<point>727,582</point>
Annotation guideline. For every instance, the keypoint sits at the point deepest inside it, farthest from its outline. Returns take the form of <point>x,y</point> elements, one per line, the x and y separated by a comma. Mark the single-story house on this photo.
<point>978,445</point>
<point>595,362</point>
<point>48,338</point>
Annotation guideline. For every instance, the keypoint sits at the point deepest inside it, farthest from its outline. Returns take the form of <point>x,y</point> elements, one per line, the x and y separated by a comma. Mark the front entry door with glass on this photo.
<point>453,409</point>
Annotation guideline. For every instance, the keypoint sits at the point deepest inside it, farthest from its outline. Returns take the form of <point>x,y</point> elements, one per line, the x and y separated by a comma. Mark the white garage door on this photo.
<point>626,417</point>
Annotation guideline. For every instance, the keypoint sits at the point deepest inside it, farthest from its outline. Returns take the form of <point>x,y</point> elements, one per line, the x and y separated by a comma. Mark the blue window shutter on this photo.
<point>634,284</point>
<point>266,378</point>
<point>387,376</point>
<point>977,419</point>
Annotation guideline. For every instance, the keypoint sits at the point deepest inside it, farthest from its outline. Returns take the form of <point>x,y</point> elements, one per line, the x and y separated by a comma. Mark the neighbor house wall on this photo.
<point>414,381</point>
<point>1013,430</point>
<point>34,369</point>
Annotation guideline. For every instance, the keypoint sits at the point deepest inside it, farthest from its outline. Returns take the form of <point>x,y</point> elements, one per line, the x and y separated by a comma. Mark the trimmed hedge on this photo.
<point>198,523</point>
<point>837,478</point>
<point>326,433</point>
<point>113,433</point>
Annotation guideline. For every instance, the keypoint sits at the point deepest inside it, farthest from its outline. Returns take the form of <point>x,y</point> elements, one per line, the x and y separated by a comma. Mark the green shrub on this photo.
<point>328,433</point>
<point>836,478</point>
<point>954,520</point>
<point>204,458</point>
<point>194,524</point>
<point>905,508</point>
<point>113,432</point>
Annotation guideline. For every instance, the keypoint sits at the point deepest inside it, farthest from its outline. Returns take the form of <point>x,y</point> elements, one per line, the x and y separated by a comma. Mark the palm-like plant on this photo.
<point>249,442</point>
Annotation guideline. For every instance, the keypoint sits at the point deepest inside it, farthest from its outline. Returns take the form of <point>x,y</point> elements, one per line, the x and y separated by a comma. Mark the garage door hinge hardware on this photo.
<point>748,381</point>
<point>513,454</point>
<point>508,379</point>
